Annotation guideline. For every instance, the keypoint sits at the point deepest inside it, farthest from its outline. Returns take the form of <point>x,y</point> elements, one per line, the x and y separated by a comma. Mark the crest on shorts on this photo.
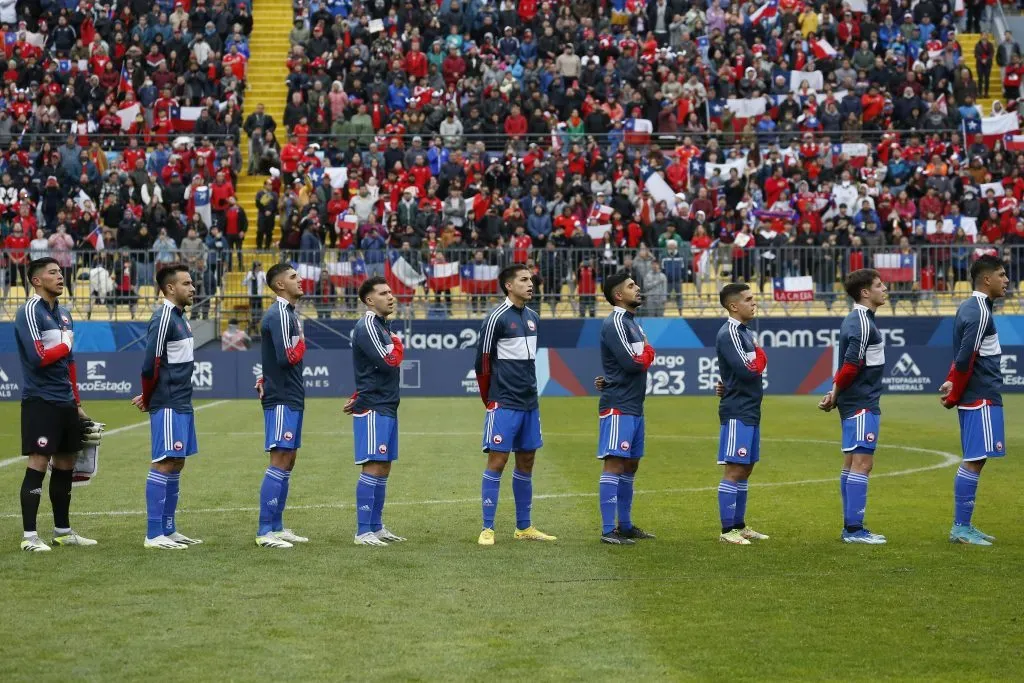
<point>741,452</point>
<point>999,446</point>
<point>382,449</point>
<point>288,436</point>
<point>532,325</point>
<point>870,437</point>
<point>42,441</point>
<point>624,446</point>
<point>497,438</point>
<point>178,445</point>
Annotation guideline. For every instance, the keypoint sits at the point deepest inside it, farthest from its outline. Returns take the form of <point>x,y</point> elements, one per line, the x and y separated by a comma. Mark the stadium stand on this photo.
<point>784,143</point>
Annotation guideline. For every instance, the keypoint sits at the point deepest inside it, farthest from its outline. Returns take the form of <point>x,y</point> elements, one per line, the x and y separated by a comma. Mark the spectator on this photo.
<point>655,291</point>
<point>233,338</point>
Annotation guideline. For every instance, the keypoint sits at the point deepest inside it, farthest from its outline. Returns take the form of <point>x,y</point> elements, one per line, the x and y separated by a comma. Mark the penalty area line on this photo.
<point>948,459</point>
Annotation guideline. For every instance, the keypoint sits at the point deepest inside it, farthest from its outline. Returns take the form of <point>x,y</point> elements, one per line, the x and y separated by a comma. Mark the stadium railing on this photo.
<point>791,280</point>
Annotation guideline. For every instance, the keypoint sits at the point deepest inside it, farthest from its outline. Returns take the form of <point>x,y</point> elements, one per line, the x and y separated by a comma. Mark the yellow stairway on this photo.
<point>967,43</point>
<point>268,48</point>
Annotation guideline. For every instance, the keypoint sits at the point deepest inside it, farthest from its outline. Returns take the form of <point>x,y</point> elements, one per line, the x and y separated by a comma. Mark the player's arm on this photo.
<point>965,349</point>
<point>853,360</point>
<point>156,339</point>
<point>383,355</point>
<point>27,327</point>
<point>617,338</point>
<point>730,352</point>
<point>486,344</point>
<point>286,352</point>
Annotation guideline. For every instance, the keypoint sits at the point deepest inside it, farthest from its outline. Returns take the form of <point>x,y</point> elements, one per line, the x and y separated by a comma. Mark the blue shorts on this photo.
<point>981,432</point>
<point>860,432</point>
<point>375,437</point>
<point>283,428</point>
<point>507,430</point>
<point>173,434</point>
<point>620,436</point>
<point>739,443</point>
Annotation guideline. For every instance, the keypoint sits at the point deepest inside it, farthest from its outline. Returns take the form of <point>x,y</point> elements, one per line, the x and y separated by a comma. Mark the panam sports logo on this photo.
<point>313,376</point>
<point>906,376</point>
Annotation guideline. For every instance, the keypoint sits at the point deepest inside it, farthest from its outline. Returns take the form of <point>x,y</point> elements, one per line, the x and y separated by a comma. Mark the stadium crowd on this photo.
<point>120,125</point>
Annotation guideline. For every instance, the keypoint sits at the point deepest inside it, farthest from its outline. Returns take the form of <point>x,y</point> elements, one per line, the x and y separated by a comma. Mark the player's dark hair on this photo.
<point>859,280</point>
<point>366,289</point>
<point>40,263</point>
<point>613,282</point>
<point>276,271</point>
<point>164,275</point>
<point>509,273</point>
<point>729,291</point>
<point>985,265</point>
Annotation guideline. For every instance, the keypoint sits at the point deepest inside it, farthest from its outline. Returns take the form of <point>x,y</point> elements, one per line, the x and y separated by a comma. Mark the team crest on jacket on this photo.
<point>512,326</point>
<point>42,441</point>
<point>288,436</point>
<point>870,437</point>
<point>382,449</point>
<point>624,446</point>
<point>178,445</point>
<point>532,325</point>
<point>65,319</point>
<point>741,453</point>
<point>497,438</point>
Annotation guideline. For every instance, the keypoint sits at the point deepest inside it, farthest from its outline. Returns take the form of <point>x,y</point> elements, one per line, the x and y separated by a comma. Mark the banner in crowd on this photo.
<point>560,372</point>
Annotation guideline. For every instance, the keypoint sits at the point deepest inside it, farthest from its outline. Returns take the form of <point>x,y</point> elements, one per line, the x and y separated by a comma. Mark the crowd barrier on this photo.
<point>560,372</point>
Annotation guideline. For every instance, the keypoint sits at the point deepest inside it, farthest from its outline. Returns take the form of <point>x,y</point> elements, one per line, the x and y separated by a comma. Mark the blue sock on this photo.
<point>277,518</point>
<point>856,500</point>
<point>965,488</point>
<point>156,497</point>
<point>608,495</point>
<point>171,502</point>
<point>489,496</point>
<point>366,489</point>
<point>741,504</point>
<point>270,499</point>
<point>727,503</point>
<point>522,491</point>
<point>843,476</point>
<point>625,496</point>
<point>377,520</point>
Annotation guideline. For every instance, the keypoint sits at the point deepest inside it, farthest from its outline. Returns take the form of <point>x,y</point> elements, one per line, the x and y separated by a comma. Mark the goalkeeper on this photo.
<point>51,412</point>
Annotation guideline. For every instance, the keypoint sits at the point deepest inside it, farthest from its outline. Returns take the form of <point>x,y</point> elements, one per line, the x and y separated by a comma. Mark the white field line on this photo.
<point>112,432</point>
<point>948,459</point>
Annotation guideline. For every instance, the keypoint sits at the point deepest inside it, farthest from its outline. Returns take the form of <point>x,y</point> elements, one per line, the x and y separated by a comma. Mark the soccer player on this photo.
<point>856,389</point>
<point>972,387</point>
<point>377,363</point>
<point>51,411</point>
<point>507,374</point>
<point>625,359</point>
<point>167,397</point>
<point>282,395</point>
<point>741,363</point>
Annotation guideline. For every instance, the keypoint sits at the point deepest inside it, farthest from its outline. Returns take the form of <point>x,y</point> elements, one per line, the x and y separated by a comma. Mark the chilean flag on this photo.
<point>401,276</point>
<point>793,288</point>
<point>856,152</point>
<point>1013,143</point>
<point>348,274</point>
<point>95,238</point>
<point>125,86</point>
<point>479,278</point>
<point>896,267</point>
<point>764,12</point>
<point>638,132</point>
<point>442,276</point>
<point>309,275</point>
<point>822,49</point>
<point>991,128</point>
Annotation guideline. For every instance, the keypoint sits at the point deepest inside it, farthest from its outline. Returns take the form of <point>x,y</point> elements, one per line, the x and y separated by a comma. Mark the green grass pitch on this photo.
<point>682,607</point>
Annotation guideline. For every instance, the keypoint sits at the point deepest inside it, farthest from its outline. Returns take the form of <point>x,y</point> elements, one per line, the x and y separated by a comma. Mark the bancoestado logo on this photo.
<point>906,376</point>
<point>802,339</point>
<point>469,383</point>
<point>7,387</point>
<point>465,339</point>
<point>96,379</point>
<point>313,376</point>
<point>1008,367</point>
<point>708,374</point>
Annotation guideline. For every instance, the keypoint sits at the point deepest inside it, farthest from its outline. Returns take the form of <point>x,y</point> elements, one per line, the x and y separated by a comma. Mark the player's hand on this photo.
<point>259,388</point>
<point>719,389</point>
<point>138,403</point>
<point>600,383</point>
<point>82,415</point>
<point>827,403</point>
<point>349,406</point>
<point>944,391</point>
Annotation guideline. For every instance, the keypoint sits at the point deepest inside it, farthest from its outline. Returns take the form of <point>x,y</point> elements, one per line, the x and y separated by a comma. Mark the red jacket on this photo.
<point>415,64</point>
<point>17,248</point>
<point>219,195</point>
<point>290,155</point>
